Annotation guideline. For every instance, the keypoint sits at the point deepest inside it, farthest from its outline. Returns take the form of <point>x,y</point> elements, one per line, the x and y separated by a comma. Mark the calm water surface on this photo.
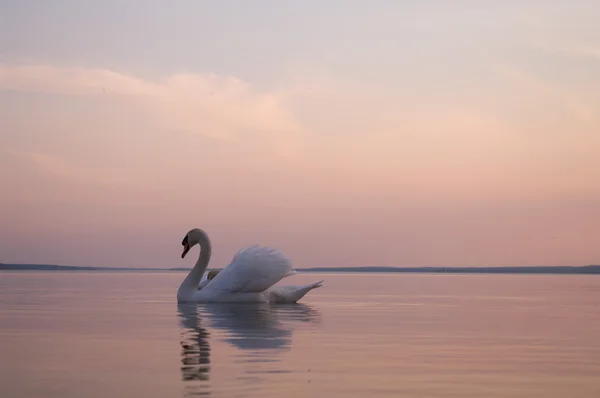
<point>103,334</point>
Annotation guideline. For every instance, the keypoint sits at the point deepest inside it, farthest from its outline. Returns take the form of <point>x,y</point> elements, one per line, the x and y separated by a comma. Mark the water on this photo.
<point>97,334</point>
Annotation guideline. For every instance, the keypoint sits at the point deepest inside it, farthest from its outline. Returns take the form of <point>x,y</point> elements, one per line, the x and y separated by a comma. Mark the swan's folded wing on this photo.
<point>253,269</point>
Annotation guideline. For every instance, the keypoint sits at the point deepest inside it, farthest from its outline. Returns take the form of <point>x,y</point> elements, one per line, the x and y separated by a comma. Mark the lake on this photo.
<point>122,334</point>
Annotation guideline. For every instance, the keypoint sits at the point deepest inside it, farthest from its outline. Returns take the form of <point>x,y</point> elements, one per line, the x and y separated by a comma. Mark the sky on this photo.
<point>344,133</point>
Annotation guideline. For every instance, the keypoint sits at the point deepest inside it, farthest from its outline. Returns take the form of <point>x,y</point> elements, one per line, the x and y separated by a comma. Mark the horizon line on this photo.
<point>569,269</point>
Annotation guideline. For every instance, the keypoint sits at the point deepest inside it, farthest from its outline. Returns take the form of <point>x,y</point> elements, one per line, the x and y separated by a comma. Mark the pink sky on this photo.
<point>441,141</point>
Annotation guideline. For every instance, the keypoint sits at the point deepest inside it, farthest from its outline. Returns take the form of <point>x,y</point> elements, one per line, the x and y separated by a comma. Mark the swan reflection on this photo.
<point>195,348</point>
<point>257,326</point>
<point>250,327</point>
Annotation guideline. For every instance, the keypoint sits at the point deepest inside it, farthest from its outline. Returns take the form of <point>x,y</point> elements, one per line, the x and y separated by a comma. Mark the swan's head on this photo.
<point>190,239</point>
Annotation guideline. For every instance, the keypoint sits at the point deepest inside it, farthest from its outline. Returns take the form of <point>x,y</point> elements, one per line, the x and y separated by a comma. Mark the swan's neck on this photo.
<point>192,280</point>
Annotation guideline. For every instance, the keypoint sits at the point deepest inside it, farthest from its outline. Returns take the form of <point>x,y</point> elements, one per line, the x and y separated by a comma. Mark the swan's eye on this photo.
<point>184,242</point>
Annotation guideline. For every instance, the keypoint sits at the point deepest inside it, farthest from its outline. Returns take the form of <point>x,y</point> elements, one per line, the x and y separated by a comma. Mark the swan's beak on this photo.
<point>186,248</point>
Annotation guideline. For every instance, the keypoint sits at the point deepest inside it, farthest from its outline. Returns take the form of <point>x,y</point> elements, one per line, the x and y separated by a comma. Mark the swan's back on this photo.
<point>252,270</point>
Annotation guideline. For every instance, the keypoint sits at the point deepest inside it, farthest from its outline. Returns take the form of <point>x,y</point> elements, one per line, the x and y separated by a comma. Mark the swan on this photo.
<point>248,278</point>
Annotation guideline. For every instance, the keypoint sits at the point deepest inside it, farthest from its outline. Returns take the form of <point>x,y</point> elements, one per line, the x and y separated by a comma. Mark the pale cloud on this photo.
<point>517,74</point>
<point>589,51</point>
<point>52,165</point>
<point>568,49</point>
<point>583,111</point>
<point>353,127</point>
<point>221,107</point>
<point>46,177</point>
<point>574,101</point>
<point>71,80</point>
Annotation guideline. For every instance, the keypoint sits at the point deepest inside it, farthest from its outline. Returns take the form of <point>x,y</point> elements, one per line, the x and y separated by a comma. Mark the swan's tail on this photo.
<point>315,285</point>
<point>291,294</point>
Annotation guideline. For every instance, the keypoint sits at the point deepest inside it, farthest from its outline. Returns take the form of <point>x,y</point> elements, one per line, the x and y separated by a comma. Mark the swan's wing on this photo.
<point>252,270</point>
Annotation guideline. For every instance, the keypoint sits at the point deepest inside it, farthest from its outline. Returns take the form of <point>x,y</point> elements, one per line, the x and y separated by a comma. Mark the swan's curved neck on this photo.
<point>192,280</point>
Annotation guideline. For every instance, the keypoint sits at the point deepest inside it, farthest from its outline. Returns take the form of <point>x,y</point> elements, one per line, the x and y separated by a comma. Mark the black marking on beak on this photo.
<point>186,246</point>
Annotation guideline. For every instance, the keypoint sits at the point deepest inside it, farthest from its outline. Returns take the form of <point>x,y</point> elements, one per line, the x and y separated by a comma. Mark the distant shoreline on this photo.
<point>586,269</point>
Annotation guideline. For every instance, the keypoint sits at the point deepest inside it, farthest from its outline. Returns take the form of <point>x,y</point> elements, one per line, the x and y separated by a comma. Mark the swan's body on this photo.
<point>249,278</point>
<point>275,294</point>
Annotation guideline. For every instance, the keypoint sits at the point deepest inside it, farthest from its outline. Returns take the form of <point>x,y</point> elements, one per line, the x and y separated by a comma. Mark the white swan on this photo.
<point>249,278</point>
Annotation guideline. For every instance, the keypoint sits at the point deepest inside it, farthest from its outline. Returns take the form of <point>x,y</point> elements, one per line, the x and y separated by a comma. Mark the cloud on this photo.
<point>222,107</point>
<point>71,80</point>
<point>573,101</point>
<point>57,166</point>
<point>571,50</point>
<point>47,177</point>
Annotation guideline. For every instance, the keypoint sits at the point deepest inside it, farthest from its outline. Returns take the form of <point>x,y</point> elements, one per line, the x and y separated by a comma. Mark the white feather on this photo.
<point>252,270</point>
